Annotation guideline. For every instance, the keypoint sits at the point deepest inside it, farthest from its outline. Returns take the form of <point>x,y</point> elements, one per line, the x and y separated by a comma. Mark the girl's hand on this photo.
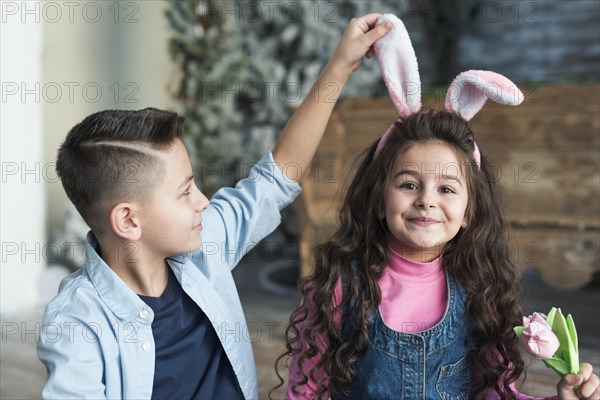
<point>356,43</point>
<point>588,382</point>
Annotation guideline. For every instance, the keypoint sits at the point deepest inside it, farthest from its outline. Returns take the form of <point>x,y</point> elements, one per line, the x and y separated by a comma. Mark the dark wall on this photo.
<point>543,41</point>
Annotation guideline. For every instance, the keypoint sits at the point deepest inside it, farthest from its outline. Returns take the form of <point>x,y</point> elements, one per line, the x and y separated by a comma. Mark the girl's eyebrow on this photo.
<point>407,172</point>
<point>417,174</point>
<point>452,178</point>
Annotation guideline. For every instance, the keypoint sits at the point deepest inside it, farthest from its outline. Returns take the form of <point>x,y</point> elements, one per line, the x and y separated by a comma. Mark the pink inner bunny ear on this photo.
<point>470,90</point>
<point>398,64</point>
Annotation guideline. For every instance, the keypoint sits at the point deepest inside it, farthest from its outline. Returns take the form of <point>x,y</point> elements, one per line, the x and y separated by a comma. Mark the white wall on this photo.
<point>84,57</point>
<point>22,207</point>
<point>123,53</point>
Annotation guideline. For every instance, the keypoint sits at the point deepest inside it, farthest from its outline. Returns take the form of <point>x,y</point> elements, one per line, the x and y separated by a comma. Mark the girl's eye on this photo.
<point>187,191</point>
<point>408,186</point>
<point>446,189</point>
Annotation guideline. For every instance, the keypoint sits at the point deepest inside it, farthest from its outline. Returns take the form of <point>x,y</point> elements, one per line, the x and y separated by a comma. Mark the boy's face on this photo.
<point>171,219</point>
<point>425,201</point>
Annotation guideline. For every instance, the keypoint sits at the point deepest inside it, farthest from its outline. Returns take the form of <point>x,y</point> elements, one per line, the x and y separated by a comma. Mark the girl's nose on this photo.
<point>425,200</point>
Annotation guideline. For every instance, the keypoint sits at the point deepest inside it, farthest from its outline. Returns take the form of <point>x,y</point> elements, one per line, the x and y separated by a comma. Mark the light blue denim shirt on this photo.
<point>96,336</point>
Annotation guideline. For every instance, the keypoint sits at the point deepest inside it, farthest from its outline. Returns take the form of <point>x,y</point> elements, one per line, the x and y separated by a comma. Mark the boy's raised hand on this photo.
<point>356,42</point>
<point>303,132</point>
<point>588,382</point>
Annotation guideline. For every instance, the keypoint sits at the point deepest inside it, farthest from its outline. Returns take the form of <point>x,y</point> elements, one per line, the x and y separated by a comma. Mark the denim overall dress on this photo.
<point>433,364</point>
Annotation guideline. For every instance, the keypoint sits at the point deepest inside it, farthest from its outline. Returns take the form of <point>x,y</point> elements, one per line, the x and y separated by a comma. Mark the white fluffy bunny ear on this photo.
<point>470,90</point>
<point>398,64</point>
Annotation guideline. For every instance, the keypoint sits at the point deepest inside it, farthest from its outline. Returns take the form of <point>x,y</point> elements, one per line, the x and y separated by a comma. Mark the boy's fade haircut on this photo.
<point>113,156</point>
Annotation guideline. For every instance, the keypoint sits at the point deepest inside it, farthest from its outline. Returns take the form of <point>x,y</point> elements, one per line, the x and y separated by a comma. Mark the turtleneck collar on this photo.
<point>414,270</point>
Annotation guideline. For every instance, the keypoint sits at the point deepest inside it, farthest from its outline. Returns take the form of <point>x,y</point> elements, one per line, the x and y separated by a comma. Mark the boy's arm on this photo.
<point>238,218</point>
<point>303,132</point>
<point>74,365</point>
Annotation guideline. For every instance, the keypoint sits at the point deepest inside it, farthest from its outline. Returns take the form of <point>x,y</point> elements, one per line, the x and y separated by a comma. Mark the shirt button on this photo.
<point>144,313</point>
<point>146,346</point>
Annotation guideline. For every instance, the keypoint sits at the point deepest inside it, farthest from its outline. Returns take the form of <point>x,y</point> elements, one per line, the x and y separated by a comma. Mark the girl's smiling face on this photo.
<point>425,200</point>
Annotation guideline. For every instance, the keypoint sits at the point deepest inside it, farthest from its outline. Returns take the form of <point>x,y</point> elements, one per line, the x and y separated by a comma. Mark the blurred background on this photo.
<point>236,70</point>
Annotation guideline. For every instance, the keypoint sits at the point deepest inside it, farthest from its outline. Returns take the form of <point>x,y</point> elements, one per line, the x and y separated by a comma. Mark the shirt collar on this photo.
<point>113,291</point>
<point>414,270</point>
<point>180,258</point>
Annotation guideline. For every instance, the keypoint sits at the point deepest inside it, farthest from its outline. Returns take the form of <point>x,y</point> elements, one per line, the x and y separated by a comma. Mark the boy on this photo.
<point>136,321</point>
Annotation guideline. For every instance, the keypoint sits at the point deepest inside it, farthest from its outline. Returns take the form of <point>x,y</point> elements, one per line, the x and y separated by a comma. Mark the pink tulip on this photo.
<point>538,337</point>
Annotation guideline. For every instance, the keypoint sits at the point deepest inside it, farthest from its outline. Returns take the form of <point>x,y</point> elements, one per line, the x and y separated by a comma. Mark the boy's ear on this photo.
<point>124,221</point>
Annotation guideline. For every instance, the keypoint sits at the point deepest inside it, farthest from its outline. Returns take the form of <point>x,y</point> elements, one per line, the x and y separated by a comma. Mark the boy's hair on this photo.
<point>478,256</point>
<point>112,156</point>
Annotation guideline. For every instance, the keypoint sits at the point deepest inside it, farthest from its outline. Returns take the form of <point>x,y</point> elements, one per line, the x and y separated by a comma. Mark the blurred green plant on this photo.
<point>245,65</point>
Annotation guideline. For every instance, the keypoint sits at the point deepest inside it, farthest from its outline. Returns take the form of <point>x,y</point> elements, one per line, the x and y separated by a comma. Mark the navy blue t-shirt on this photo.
<point>190,360</point>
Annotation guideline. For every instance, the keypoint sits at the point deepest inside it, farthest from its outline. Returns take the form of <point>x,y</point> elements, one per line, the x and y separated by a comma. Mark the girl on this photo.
<point>415,295</point>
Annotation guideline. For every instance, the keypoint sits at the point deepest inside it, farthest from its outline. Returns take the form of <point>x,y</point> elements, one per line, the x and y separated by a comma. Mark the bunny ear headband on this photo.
<point>466,95</point>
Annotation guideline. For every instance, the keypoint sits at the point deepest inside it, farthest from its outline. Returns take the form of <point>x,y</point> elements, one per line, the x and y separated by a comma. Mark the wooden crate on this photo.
<point>547,156</point>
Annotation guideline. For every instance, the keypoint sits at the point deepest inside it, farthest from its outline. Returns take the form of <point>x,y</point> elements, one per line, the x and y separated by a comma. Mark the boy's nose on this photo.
<point>202,201</point>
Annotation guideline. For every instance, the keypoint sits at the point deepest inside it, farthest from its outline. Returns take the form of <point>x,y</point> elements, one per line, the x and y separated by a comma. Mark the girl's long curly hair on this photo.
<point>478,257</point>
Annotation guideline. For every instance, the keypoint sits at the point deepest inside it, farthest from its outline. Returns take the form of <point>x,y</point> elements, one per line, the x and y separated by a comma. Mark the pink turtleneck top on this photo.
<point>414,297</point>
